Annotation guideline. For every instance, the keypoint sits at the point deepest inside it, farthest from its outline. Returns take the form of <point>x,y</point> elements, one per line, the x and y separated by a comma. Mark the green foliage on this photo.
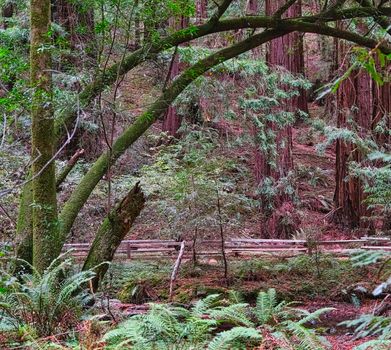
<point>185,178</point>
<point>370,325</point>
<point>47,303</point>
<point>374,169</point>
<point>169,327</point>
<point>313,174</point>
<point>235,338</point>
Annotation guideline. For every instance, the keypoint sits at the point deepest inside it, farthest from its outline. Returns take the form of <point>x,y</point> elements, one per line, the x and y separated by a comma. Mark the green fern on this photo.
<point>370,325</point>
<point>267,309</point>
<point>168,327</point>
<point>374,345</point>
<point>303,338</point>
<point>204,305</point>
<point>236,314</point>
<point>45,301</point>
<point>236,338</point>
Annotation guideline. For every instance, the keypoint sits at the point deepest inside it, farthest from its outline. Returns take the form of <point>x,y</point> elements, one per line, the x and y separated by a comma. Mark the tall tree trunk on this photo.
<point>113,230</point>
<point>201,10</point>
<point>43,180</point>
<point>171,121</point>
<point>285,51</point>
<point>354,102</point>
<point>7,11</point>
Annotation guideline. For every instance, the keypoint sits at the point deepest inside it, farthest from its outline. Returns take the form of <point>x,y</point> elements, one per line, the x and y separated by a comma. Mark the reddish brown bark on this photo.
<point>354,102</point>
<point>382,110</point>
<point>172,121</point>
<point>201,10</point>
<point>252,6</point>
<point>286,51</point>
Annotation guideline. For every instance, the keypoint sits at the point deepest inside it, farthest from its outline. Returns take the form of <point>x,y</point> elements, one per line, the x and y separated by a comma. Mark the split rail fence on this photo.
<point>237,247</point>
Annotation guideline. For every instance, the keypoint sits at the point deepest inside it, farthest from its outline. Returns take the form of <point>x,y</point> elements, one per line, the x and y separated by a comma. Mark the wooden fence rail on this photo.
<point>236,247</point>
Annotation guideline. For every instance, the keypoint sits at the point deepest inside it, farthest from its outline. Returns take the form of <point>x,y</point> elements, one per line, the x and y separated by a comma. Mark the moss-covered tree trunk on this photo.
<point>24,227</point>
<point>43,181</point>
<point>112,231</point>
<point>88,183</point>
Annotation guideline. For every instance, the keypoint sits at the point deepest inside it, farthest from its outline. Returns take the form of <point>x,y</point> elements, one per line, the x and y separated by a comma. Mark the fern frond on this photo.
<point>311,316</point>
<point>374,345</point>
<point>306,338</point>
<point>235,338</point>
<point>202,306</point>
<point>236,314</point>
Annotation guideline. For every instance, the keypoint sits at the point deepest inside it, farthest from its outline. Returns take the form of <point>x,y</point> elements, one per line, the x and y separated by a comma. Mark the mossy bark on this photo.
<point>43,181</point>
<point>112,231</point>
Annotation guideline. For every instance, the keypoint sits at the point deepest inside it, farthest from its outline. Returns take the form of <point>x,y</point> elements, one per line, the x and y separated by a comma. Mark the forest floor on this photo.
<point>312,284</point>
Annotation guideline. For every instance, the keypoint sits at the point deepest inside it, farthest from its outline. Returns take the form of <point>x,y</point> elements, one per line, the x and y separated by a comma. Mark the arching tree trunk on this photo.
<point>43,178</point>
<point>285,51</point>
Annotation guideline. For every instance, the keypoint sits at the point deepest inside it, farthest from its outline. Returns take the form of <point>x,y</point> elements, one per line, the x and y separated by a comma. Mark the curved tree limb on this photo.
<point>143,122</point>
<point>302,24</point>
<point>380,19</point>
<point>87,184</point>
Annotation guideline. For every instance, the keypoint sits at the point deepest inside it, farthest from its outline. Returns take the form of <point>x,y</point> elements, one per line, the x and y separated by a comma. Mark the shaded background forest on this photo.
<point>263,130</point>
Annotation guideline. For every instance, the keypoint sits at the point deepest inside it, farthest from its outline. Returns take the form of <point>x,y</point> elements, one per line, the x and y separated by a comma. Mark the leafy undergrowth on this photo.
<point>300,278</point>
<point>296,303</point>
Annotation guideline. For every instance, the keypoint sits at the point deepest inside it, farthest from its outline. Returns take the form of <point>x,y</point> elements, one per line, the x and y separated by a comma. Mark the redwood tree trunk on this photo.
<point>78,22</point>
<point>354,102</point>
<point>201,10</point>
<point>171,121</point>
<point>286,51</point>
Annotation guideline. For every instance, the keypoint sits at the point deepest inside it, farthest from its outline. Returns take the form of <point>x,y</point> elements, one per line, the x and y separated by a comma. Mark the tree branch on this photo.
<point>87,184</point>
<point>71,163</point>
<point>383,21</point>
<point>185,35</point>
<point>220,11</point>
<point>283,8</point>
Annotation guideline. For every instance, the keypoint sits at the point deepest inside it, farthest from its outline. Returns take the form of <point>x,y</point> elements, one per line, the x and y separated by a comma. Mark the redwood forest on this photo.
<point>195,174</point>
